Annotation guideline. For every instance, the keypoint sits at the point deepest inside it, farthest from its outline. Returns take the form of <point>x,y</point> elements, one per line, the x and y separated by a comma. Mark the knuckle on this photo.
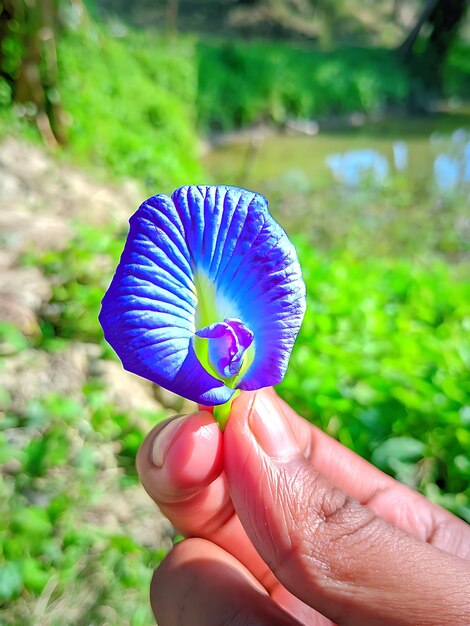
<point>328,525</point>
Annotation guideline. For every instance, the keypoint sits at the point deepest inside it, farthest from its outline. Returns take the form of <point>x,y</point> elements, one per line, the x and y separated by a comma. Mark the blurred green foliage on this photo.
<point>273,82</point>
<point>241,83</point>
<point>133,98</point>
<point>457,71</point>
<point>401,218</point>
<point>82,273</point>
<point>62,459</point>
<point>131,101</point>
<point>382,363</point>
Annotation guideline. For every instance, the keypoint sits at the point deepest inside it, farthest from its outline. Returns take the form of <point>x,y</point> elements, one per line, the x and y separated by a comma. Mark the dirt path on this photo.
<point>40,201</point>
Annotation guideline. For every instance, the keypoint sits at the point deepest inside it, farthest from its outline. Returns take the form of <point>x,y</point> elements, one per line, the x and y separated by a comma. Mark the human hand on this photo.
<point>287,526</point>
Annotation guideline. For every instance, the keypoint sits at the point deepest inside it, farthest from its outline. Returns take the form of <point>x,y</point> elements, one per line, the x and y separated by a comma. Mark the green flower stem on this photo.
<point>222,411</point>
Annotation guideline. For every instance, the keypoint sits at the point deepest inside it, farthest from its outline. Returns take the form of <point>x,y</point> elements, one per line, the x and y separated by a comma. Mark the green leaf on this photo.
<point>34,577</point>
<point>32,521</point>
<point>12,339</point>
<point>404,449</point>
<point>11,580</point>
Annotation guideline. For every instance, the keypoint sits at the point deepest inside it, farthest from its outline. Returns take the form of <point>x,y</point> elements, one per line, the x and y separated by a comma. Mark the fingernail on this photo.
<point>271,429</point>
<point>162,441</point>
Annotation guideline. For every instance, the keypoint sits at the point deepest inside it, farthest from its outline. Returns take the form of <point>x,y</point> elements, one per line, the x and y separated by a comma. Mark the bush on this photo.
<point>243,83</point>
<point>457,71</point>
<point>131,102</point>
<point>382,362</point>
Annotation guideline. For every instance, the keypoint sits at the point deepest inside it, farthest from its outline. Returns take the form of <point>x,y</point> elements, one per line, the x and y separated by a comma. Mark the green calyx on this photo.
<point>222,411</point>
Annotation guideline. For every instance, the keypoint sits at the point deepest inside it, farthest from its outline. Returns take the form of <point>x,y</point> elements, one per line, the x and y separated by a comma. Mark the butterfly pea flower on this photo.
<point>208,297</point>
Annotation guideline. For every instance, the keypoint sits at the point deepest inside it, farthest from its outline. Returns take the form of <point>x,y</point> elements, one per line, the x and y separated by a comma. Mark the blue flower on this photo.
<point>208,296</point>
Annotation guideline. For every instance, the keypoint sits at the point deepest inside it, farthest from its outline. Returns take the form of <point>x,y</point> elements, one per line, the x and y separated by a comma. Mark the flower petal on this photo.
<point>228,341</point>
<point>218,239</point>
<point>255,270</point>
<point>148,311</point>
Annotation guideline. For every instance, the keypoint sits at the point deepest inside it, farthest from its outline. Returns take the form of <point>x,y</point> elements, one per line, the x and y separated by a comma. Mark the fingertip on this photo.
<point>203,407</point>
<point>266,404</point>
<point>194,457</point>
<point>261,412</point>
<point>180,454</point>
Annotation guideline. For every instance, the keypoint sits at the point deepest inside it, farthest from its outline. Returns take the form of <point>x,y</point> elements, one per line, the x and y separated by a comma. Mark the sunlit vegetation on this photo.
<point>382,359</point>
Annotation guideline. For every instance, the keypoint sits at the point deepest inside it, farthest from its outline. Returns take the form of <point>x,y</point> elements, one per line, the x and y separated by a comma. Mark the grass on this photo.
<point>65,461</point>
<point>130,105</point>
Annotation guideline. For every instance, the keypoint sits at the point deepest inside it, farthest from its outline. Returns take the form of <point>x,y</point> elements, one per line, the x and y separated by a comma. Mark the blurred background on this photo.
<point>353,118</point>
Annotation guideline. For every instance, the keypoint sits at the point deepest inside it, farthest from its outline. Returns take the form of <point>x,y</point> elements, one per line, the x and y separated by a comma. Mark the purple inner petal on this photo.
<point>228,341</point>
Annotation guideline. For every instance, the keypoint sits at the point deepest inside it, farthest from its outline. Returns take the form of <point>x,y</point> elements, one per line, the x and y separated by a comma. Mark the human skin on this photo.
<point>284,525</point>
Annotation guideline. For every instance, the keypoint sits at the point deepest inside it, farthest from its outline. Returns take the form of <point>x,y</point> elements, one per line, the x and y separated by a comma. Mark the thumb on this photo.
<point>324,546</point>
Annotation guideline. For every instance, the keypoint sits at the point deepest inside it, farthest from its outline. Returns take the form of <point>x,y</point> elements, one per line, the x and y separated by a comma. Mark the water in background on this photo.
<point>415,148</point>
<point>399,189</point>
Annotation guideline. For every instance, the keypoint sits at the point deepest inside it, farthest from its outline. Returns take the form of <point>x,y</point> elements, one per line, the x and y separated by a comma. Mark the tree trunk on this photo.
<point>11,12</point>
<point>445,21</point>
<point>34,82</point>
<point>172,9</point>
<point>426,65</point>
<point>406,48</point>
